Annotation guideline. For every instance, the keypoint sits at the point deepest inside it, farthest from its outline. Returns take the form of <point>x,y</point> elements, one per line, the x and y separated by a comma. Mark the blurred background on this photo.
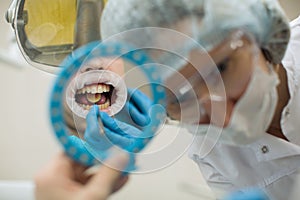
<point>27,141</point>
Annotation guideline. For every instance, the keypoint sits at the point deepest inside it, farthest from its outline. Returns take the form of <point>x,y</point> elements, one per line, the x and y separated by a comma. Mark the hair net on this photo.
<point>207,21</point>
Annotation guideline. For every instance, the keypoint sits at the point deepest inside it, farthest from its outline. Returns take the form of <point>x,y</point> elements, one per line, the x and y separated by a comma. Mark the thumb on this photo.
<point>103,182</point>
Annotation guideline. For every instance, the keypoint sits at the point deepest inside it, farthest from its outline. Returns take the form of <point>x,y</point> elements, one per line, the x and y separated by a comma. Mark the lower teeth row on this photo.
<point>101,107</point>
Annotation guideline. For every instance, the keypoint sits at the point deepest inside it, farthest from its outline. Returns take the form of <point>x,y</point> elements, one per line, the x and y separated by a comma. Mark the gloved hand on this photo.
<point>115,133</point>
<point>248,195</point>
<point>125,131</point>
<point>99,144</point>
<point>136,110</point>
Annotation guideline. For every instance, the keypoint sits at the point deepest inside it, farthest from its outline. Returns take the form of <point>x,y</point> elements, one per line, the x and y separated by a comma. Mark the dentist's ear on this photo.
<point>277,67</point>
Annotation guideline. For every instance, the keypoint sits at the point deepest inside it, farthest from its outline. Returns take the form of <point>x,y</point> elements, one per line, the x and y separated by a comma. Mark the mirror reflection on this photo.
<point>107,106</point>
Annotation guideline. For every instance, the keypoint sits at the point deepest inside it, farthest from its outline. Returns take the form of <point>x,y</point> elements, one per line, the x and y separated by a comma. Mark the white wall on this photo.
<point>26,139</point>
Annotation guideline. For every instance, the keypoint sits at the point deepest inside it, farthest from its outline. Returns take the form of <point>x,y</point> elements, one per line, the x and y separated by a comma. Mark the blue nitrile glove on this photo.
<point>115,132</point>
<point>93,142</point>
<point>98,144</point>
<point>122,134</point>
<point>253,194</point>
<point>136,110</point>
<point>83,148</point>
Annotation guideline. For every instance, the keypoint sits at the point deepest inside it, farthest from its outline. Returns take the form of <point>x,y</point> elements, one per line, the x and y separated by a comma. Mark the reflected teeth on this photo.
<point>101,107</point>
<point>85,107</point>
<point>100,89</point>
<point>93,89</point>
<point>104,106</point>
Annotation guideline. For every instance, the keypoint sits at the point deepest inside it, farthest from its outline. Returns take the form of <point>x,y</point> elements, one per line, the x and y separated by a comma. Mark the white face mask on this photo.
<point>251,116</point>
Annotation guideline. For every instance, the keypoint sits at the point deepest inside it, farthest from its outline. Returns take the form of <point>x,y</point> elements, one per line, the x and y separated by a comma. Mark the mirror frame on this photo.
<point>70,67</point>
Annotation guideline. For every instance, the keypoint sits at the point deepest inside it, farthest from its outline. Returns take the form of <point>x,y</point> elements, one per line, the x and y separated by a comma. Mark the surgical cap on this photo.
<point>211,21</point>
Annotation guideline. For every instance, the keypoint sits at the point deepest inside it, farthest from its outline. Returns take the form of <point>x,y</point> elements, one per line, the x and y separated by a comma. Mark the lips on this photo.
<point>103,88</point>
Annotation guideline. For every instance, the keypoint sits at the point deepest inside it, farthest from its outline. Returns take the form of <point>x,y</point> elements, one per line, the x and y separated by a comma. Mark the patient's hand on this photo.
<point>63,179</point>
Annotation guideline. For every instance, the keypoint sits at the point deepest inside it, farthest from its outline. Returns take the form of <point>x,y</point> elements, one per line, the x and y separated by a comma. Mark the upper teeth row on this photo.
<point>93,89</point>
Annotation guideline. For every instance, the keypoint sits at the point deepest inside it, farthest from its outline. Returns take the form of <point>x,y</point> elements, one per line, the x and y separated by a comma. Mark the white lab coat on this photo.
<point>270,163</point>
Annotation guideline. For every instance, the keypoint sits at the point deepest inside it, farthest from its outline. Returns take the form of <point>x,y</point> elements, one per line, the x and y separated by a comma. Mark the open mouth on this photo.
<point>99,94</point>
<point>103,88</point>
